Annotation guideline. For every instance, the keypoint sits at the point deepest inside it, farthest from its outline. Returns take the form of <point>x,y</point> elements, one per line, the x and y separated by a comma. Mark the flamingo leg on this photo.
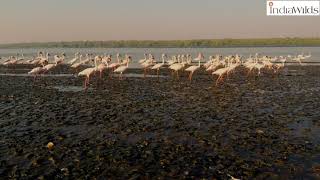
<point>111,73</point>
<point>88,82</point>
<point>221,79</point>
<point>217,81</point>
<point>191,74</point>
<point>85,83</point>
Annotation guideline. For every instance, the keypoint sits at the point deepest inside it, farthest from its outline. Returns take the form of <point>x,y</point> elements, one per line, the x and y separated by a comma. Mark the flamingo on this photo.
<point>116,64</point>
<point>102,67</point>
<point>76,57</point>
<point>122,69</point>
<point>209,62</point>
<point>177,67</point>
<point>58,59</point>
<point>159,65</point>
<point>20,59</point>
<point>87,73</point>
<point>172,60</point>
<point>147,64</point>
<point>281,65</point>
<point>43,60</point>
<point>307,56</point>
<point>143,60</point>
<point>113,66</point>
<point>220,72</point>
<point>259,66</point>
<point>36,71</point>
<point>49,67</point>
<point>11,60</point>
<point>77,65</point>
<point>192,69</point>
<point>87,60</point>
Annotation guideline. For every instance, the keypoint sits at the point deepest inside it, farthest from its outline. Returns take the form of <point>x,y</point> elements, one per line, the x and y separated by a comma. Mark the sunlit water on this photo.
<point>137,53</point>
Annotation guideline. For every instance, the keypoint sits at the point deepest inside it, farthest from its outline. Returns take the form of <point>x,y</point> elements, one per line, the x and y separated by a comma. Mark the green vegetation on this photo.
<point>273,42</point>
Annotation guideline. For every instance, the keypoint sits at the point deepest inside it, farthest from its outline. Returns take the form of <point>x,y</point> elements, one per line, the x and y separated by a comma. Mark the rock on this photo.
<point>50,145</point>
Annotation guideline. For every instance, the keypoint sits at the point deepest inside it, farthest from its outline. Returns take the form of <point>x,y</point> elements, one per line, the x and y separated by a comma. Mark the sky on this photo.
<point>71,20</point>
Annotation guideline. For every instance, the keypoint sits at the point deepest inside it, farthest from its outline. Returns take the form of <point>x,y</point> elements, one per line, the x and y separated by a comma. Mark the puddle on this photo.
<point>306,128</point>
<point>42,75</point>
<point>132,75</point>
<point>70,88</point>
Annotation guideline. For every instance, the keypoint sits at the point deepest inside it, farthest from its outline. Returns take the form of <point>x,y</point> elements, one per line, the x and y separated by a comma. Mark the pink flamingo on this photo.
<point>87,73</point>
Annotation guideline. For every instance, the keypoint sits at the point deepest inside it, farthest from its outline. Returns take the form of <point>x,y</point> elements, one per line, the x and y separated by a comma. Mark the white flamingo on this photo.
<point>49,67</point>
<point>192,69</point>
<point>143,60</point>
<point>116,64</point>
<point>172,60</point>
<point>102,67</point>
<point>75,59</point>
<point>36,71</point>
<point>176,67</point>
<point>159,65</point>
<point>43,60</point>
<point>123,68</point>
<point>220,72</point>
<point>77,65</point>
<point>59,59</point>
<point>88,73</point>
<point>147,64</point>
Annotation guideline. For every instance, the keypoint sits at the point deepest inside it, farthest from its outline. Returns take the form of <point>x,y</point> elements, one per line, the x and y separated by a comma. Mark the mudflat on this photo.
<point>246,127</point>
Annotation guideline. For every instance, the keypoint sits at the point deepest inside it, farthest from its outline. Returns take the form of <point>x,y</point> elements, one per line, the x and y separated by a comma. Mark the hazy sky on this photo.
<point>56,20</point>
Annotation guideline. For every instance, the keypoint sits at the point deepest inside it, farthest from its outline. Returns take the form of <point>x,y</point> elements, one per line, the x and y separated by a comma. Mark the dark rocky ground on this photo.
<point>265,127</point>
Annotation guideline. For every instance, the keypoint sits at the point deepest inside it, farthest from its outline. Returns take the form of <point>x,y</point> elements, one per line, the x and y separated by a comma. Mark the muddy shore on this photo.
<point>248,127</point>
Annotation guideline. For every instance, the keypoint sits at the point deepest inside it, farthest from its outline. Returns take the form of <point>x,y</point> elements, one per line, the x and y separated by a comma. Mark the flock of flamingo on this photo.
<point>218,65</point>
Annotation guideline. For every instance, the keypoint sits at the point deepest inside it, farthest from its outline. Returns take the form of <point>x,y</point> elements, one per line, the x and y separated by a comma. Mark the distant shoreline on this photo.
<point>202,43</point>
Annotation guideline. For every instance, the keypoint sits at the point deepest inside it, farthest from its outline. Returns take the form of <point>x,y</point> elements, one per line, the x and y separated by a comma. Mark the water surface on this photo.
<point>137,53</point>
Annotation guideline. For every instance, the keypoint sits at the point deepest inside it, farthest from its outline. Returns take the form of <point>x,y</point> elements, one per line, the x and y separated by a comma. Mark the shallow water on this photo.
<point>130,75</point>
<point>306,127</point>
<point>133,75</point>
<point>69,88</point>
<point>42,75</point>
<point>137,53</point>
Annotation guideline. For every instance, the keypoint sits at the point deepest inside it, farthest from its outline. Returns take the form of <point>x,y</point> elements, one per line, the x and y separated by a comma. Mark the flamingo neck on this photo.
<point>95,62</point>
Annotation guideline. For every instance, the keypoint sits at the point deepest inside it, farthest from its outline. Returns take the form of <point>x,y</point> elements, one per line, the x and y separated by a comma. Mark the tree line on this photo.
<point>212,43</point>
